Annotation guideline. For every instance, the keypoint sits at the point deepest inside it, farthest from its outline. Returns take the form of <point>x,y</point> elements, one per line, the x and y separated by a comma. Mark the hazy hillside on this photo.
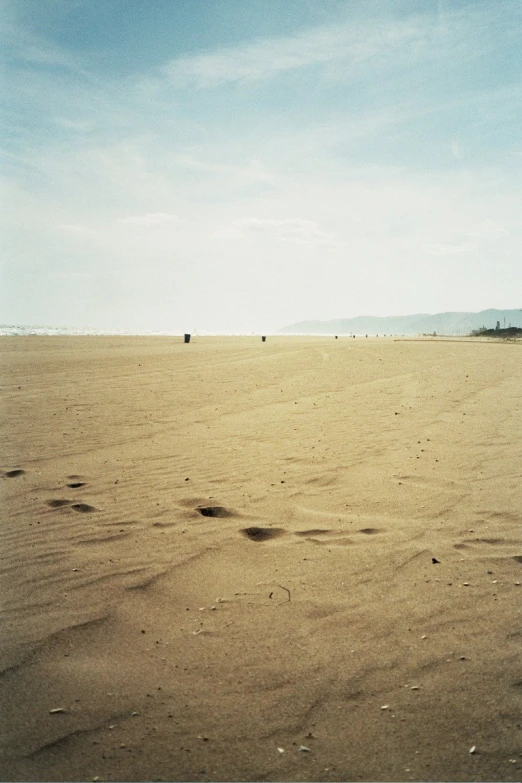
<point>442,323</point>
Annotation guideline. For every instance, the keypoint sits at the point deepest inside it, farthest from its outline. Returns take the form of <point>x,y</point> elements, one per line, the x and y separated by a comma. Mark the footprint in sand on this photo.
<point>214,511</point>
<point>334,537</point>
<point>314,532</point>
<point>76,481</point>
<point>84,508</point>
<point>62,502</point>
<point>14,473</point>
<point>324,537</point>
<point>335,541</point>
<point>262,533</point>
<point>102,539</point>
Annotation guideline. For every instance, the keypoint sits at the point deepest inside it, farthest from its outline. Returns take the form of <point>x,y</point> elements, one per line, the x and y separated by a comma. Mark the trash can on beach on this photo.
<point>187,338</point>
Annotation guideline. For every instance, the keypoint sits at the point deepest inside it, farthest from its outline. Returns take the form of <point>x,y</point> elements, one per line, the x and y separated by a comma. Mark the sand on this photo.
<point>229,560</point>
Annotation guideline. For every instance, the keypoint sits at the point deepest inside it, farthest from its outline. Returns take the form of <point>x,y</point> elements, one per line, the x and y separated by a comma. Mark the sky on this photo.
<point>241,165</point>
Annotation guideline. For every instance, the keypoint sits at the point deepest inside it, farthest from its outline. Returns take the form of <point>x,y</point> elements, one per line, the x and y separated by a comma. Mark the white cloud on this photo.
<point>28,47</point>
<point>253,172</point>
<point>73,125</point>
<point>268,57</point>
<point>370,38</point>
<point>149,220</point>
<point>446,250</point>
<point>490,230</point>
<point>457,150</point>
<point>73,228</point>
<point>294,230</point>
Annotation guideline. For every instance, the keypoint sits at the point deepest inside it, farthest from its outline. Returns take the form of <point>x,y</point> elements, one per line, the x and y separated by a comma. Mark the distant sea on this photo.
<point>55,331</point>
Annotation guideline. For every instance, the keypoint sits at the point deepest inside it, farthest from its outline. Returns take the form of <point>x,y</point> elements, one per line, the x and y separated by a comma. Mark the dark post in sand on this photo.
<point>187,338</point>
<point>263,339</point>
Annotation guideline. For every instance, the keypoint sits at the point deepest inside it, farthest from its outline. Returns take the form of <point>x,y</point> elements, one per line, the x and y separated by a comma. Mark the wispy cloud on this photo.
<point>253,171</point>
<point>457,149</point>
<point>150,220</point>
<point>294,230</point>
<point>265,58</point>
<point>446,250</point>
<point>489,230</point>
<point>73,228</point>
<point>81,126</point>
<point>28,48</point>
<point>372,38</point>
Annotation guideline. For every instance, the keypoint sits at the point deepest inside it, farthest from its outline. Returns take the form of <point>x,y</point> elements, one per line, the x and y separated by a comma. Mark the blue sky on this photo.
<point>239,165</point>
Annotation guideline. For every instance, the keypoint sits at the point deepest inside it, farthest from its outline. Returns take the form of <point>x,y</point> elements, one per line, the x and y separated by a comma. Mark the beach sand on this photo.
<point>235,560</point>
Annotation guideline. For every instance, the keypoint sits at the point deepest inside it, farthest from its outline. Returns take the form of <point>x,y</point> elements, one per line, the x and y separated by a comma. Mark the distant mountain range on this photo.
<point>422,323</point>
